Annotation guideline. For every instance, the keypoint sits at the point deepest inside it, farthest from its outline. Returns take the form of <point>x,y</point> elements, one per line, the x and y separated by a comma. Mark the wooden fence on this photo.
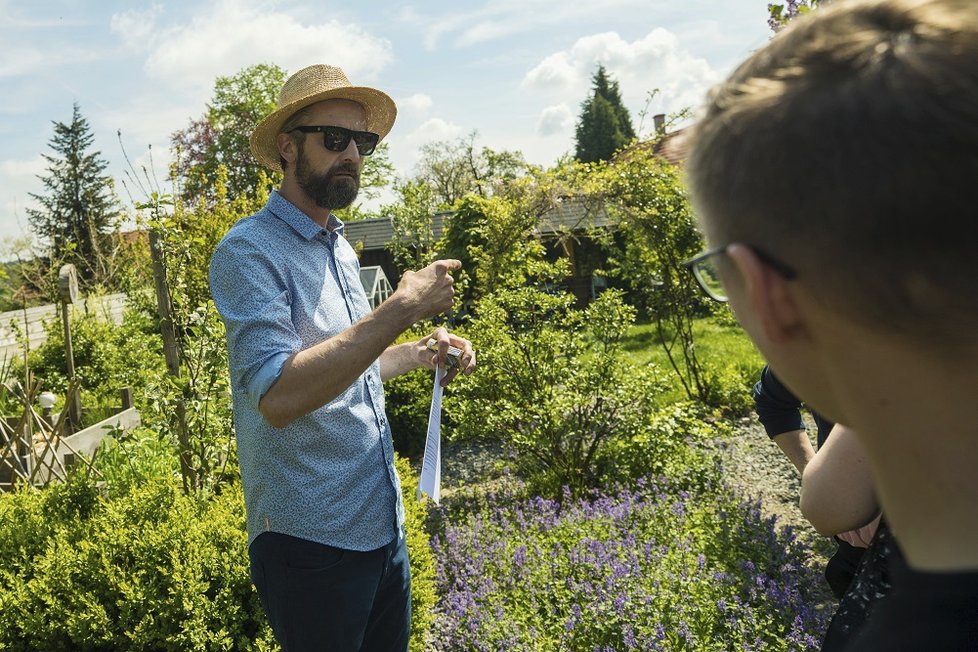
<point>33,321</point>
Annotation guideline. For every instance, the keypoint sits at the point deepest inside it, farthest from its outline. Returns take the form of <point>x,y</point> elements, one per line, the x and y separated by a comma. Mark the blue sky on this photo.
<point>515,71</point>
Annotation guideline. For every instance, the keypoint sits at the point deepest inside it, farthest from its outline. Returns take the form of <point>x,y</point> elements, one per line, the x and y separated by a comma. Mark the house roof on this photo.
<point>673,147</point>
<point>574,214</point>
<point>377,232</point>
<point>569,215</point>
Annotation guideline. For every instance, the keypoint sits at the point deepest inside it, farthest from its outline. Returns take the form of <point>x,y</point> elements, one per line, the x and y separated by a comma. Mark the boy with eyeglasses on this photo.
<point>308,359</point>
<point>835,174</point>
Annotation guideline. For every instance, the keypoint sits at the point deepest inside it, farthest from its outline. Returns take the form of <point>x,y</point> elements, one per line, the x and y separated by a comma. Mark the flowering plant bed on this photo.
<point>654,568</point>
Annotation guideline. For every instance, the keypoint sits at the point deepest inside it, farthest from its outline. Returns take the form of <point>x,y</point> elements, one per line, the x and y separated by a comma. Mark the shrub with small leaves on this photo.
<point>423,592</point>
<point>144,566</point>
<point>152,570</point>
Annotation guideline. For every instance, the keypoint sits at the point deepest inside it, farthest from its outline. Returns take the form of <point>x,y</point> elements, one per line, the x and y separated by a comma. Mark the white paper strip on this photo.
<point>430,482</point>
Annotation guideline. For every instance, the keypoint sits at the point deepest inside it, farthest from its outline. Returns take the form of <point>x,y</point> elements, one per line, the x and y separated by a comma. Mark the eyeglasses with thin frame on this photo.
<point>337,139</point>
<point>705,271</point>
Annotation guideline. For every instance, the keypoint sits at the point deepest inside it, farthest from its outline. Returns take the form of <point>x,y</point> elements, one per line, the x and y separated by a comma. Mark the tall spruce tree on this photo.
<point>604,126</point>
<point>79,206</point>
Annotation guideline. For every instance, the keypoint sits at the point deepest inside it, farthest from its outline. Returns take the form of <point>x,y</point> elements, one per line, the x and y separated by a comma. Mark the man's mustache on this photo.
<point>346,168</point>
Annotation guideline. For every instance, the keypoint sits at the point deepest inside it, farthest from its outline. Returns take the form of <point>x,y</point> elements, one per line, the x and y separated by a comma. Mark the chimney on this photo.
<point>659,121</point>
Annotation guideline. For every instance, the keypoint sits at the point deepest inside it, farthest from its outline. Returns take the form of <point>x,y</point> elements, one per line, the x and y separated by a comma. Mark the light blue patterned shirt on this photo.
<point>282,284</point>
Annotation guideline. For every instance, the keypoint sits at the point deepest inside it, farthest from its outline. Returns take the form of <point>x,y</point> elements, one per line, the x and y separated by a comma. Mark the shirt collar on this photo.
<point>301,223</point>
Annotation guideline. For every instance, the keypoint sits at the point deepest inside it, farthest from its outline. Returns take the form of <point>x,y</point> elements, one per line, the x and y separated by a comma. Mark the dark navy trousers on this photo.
<point>320,598</point>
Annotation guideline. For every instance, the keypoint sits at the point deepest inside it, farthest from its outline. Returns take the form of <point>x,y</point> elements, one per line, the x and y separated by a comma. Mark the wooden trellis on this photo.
<point>34,449</point>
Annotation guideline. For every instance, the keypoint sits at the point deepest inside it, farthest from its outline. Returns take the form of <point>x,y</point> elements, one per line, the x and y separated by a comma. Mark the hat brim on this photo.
<point>379,108</point>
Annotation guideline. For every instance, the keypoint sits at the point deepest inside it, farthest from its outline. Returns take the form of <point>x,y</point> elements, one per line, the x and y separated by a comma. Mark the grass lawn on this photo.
<point>722,347</point>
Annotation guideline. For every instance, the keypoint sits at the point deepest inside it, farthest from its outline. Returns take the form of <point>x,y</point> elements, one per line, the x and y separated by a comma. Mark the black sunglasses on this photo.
<point>337,139</point>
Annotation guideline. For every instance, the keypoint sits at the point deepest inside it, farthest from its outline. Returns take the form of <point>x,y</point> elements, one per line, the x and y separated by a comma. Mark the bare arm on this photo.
<point>315,376</point>
<point>402,358</point>
<point>837,493</point>
<point>797,447</point>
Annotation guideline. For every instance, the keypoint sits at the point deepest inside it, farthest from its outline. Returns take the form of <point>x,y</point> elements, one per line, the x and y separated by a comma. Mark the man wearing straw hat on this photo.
<point>307,359</point>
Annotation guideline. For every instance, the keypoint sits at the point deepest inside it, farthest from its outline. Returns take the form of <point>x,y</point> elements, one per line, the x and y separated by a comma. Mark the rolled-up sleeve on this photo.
<point>255,304</point>
<point>777,408</point>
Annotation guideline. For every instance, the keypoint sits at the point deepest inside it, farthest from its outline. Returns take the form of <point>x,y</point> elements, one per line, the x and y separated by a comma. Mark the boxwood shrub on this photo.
<point>145,567</point>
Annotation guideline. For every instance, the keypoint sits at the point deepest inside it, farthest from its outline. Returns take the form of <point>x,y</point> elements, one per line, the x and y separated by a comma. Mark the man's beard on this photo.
<point>328,190</point>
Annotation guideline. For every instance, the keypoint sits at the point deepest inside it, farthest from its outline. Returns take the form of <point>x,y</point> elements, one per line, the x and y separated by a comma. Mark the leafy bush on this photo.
<point>423,592</point>
<point>128,460</point>
<point>650,569</point>
<point>107,357</point>
<point>407,402</point>
<point>145,567</point>
<point>152,570</point>
<point>677,444</point>
<point>554,386</point>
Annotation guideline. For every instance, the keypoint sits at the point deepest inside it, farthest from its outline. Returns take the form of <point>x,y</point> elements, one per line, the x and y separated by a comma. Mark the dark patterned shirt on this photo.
<point>871,582</point>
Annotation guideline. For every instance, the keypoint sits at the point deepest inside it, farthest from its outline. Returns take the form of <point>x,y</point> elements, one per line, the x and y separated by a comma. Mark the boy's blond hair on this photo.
<point>848,149</point>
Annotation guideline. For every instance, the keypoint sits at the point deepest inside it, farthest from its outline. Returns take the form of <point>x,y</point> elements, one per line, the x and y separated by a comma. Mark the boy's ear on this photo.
<point>769,295</point>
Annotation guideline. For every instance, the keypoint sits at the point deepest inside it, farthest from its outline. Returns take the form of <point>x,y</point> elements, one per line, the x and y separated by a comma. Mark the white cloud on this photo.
<point>17,179</point>
<point>136,27</point>
<point>656,61</point>
<point>502,18</point>
<point>406,149</point>
<point>20,61</point>
<point>21,171</point>
<point>228,35</point>
<point>557,119</point>
<point>419,103</point>
<point>433,130</point>
<point>556,72</point>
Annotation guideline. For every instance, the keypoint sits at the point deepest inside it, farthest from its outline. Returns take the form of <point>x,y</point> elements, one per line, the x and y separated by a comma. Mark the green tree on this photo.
<point>79,207</point>
<point>220,136</point>
<point>604,125</point>
<point>657,233</point>
<point>413,239</point>
<point>456,168</point>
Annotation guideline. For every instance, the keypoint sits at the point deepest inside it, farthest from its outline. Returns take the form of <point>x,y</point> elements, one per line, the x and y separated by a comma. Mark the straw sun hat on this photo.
<point>315,84</point>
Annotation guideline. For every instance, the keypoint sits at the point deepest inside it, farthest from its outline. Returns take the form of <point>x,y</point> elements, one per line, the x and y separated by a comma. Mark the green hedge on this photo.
<point>423,592</point>
<point>148,569</point>
<point>154,570</point>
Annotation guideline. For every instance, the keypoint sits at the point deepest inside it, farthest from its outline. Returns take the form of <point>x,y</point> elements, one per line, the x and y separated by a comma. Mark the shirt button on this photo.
<point>370,378</point>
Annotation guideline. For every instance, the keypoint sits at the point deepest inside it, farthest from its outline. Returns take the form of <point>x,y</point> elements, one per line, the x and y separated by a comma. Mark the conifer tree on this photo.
<point>79,207</point>
<point>604,126</point>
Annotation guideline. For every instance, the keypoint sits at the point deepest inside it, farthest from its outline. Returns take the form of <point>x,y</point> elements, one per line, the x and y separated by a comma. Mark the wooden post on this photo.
<point>68,289</point>
<point>171,352</point>
<point>126,395</point>
<point>164,306</point>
